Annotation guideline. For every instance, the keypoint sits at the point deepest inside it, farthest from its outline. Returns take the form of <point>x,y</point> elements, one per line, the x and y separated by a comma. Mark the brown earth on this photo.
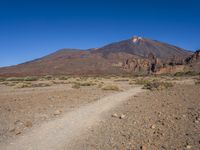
<point>168,119</point>
<point>158,119</point>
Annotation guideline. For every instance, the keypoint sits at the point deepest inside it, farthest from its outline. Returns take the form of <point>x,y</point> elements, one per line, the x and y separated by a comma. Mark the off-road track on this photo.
<point>57,134</point>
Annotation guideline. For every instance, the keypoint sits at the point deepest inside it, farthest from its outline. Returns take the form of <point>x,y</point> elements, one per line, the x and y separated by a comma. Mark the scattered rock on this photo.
<point>57,112</point>
<point>188,147</point>
<point>153,126</point>
<point>184,116</point>
<point>122,116</point>
<point>28,124</point>
<point>143,147</point>
<point>16,131</point>
<point>115,115</point>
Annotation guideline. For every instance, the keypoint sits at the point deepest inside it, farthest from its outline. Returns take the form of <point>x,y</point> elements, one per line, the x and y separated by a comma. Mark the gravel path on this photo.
<point>56,134</point>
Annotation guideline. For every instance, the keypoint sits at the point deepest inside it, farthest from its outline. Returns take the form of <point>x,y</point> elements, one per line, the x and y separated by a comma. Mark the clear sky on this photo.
<point>33,28</point>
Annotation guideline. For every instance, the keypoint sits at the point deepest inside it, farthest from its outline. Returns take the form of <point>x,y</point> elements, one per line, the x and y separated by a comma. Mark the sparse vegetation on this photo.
<point>48,77</point>
<point>197,82</point>
<point>23,85</point>
<point>111,87</point>
<point>63,78</point>
<point>15,79</point>
<point>76,86</point>
<point>30,78</point>
<point>157,85</point>
<point>29,85</point>
<point>188,73</point>
<point>2,79</point>
<point>142,81</point>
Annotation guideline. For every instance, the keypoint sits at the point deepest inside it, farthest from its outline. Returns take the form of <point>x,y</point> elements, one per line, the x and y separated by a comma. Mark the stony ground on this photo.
<point>159,119</point>
<point>167,119</point>
<point>20,109</point>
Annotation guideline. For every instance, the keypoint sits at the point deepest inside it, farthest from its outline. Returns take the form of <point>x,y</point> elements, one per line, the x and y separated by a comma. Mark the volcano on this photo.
<point>109,59</point>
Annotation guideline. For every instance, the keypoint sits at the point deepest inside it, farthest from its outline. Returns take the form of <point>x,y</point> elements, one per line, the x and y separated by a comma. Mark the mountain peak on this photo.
<point>135,39</point>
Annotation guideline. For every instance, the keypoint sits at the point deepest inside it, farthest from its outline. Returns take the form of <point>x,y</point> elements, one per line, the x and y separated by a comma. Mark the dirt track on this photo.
<point>58,133</point>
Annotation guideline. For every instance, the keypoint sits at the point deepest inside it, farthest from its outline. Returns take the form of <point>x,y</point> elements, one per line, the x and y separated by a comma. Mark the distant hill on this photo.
<point>109,59</point>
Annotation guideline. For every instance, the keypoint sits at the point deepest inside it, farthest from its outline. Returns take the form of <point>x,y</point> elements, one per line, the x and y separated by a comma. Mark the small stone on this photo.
<point>188,147</point>
<point>114,115</point>
<point>16,131</point>
<point>122,116</point>
<point>143,147</point>
<point>184,116</point>
<point>153,126</point>
<point>196,121</point>
<point>28,124</point>
<point>57,112</point>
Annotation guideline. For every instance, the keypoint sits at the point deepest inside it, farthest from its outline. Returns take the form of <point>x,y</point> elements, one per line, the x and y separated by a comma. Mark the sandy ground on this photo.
<point>59,133</point>
<point>20,109</point>
<point>154,120</point>
<point>164,119</point>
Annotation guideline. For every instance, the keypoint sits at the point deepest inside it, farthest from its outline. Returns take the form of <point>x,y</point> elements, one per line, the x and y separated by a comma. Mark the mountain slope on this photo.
<point>106,60</point>
<point>142,47</point>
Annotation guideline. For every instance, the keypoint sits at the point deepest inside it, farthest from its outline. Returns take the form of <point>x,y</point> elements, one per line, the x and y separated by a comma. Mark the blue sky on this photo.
<point>33,28</point>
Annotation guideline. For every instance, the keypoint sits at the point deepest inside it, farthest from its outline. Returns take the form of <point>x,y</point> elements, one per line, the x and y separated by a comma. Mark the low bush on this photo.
<point>76,86</point>
<point>48,77</point>
<point>142,81</point>
<point>197,82</point>
<point>30,78</point>
<point>2,79</point>
<point>23,85</point>
<point>41,84</point>
<point>63,78</point>
<point>157,85</point>
<point>15,79</point>
<point>111,87</point>
<point>187,73</point>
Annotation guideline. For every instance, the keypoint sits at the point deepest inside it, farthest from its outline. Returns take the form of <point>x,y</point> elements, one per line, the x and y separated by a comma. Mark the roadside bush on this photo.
<point>142,81</point>
<point>15,79</point>
<point>76,86</point>
<point>63,78</point>
<point>8,83</point>
<point>157,85</point>
<point>197,82</point>
<point>89,83</point>
<point>48,77</point>
<point>41,84</point>
<point>188,73</point>
<point>111,87</point>
<point>23,85</point>
<point>30,78</point>
<point>2,79</point>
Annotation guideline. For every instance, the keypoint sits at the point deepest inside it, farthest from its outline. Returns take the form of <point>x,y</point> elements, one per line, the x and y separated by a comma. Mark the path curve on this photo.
<point>57,133</point>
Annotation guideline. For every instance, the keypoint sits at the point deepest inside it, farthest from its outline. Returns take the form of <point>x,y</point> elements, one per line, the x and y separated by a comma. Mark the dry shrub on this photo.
<point>157,85</point>
<point>48,77</point>
<point>63,78</point>
<point>197,82</point>
<point>142,81</point>
<point>111,87</point>
<point>8,83</point>
<point>41,84</point>
<point>15,79</point>
<point>76,86</point>
<point>31,78</point>
<point>119,80</point>
<point>2,79</point>
<point>31,85</point>
<point>23,85</point>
